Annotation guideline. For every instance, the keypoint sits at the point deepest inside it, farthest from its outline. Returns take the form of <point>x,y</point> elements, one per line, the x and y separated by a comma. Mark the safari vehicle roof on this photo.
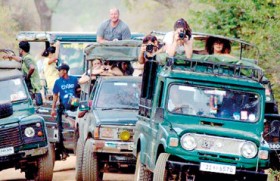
<point>124,50</point>
<point>51,36</point>
<point>199,36</point>
<point>214,68</point>
<point>42,36</point>
<point>10,70</point>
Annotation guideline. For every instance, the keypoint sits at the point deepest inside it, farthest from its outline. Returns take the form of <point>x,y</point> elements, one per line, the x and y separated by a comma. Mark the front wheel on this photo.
<point>79,160</point>
<point>44,169</point>
<point>141,174</point>
<point>91,170</point>
<point>160,173</point>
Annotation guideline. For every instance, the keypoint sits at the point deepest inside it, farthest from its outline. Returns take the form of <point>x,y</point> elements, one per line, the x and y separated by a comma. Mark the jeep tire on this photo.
<point>141,174</point>
<point>44,169</point>
<point>79,160</point>
<point>160,173</point>
<point>91,170</point>
<point>6,109</point>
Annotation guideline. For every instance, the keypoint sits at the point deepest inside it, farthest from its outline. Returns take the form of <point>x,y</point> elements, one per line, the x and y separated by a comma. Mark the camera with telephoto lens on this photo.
<point>150,48</point>
<point>182,35</point>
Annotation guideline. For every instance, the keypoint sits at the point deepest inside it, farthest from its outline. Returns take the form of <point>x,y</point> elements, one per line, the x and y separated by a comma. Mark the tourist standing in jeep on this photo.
<point>113,29</point>
<point>65,89</point>
<point>29,68</point>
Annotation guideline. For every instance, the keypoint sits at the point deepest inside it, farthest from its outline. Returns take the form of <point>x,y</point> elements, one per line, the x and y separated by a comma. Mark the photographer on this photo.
<point>179,41</point>
<point>149,49</point>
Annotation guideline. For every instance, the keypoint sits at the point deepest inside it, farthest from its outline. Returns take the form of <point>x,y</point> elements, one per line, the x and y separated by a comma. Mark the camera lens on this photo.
<point>149,48</point>
<point>182,35</point>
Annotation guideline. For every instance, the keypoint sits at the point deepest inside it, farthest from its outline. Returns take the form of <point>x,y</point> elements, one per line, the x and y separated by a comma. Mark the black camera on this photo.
<point>150,48</point>
<point>182,35</point>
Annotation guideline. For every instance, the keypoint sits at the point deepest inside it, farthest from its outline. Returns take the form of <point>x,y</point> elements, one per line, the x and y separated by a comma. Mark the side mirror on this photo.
<point>38,99</point>
<point>159,115</point>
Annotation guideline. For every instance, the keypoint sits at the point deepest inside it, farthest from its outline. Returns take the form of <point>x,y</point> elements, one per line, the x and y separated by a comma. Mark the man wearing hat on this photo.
<point>65,88</point>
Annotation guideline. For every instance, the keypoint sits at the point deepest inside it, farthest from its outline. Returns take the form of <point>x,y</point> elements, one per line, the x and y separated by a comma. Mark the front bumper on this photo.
<point>117,147</point>
<point>187,169</point>
<point>24,154</point>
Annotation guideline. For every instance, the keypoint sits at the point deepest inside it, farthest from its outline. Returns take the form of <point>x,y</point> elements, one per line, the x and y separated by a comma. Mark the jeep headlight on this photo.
<point>124,135</point>
<point>29,132</point>
<point>188,142</point>
<point>249,150</point>
<point>107,133</point>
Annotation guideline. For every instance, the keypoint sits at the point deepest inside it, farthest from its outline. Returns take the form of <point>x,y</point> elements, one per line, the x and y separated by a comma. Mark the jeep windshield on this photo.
<point>118,95</point>
<point>72,53</point>
<point>213,102</point>
<point>12,90</point>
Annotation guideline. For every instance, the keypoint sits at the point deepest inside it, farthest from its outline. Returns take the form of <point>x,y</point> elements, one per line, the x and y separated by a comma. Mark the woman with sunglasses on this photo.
<point>179,41</point>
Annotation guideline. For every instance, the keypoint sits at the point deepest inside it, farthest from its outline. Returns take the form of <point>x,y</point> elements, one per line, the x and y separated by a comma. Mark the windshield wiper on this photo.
<point>127,108</point>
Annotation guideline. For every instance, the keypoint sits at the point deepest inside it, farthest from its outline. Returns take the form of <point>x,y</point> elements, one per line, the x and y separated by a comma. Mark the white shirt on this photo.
<point>168,40</point>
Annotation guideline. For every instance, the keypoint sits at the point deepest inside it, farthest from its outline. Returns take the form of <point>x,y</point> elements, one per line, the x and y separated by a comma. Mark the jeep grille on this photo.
<point>220,145</point>
<point>10,137</point>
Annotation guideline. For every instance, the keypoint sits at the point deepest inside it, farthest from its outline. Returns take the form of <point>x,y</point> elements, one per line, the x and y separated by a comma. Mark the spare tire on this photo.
<point>6,109</point>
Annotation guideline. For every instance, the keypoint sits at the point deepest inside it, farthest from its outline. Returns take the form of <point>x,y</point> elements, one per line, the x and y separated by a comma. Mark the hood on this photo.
<point>181,129</point>
<point>116,117</point>
<point>16,117</point>
<point>216,127</point>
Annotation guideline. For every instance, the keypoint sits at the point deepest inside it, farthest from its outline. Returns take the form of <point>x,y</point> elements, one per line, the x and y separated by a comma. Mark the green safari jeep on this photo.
<point>201,119</point>
<point>23,137</point>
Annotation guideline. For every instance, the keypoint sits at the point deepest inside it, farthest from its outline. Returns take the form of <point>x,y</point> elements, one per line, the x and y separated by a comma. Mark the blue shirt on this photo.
<point>66,89</point>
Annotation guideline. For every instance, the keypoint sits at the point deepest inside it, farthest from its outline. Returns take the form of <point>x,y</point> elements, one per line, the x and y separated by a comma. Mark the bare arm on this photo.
<point>141,58</point>
<point>55,98</point>
<point>188,45</point>
<point>12,57</point>
<point>101,39</point>
<point>30,72</point>
<point>55,58</point>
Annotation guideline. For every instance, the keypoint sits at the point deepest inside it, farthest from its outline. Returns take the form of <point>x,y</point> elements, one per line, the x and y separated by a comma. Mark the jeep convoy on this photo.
<point>72,45</point>
<point>23,138</point>
<point>208,117</point>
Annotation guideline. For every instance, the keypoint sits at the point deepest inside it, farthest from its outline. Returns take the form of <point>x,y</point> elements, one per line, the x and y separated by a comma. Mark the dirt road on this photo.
<point>63,171</point>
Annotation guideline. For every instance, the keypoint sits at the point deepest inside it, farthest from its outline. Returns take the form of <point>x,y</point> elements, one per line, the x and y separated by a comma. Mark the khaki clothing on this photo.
<point>51,73</point>
<point>27,61</point>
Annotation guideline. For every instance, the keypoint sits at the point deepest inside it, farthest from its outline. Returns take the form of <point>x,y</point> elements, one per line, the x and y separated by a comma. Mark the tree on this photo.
<point>45,13</point>
<point>255,21</point>
<point>8,29</point>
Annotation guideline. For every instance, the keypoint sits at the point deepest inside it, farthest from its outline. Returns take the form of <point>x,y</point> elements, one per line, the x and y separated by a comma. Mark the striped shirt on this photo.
<point>107,32</point>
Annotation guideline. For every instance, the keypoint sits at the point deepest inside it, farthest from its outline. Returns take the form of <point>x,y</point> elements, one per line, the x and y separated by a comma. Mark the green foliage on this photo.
<point>273,175</point>
<point>8,29</point>
<point>256,21</point>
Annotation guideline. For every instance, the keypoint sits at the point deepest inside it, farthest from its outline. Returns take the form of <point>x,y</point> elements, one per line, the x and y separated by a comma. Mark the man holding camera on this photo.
<point>179,41</point>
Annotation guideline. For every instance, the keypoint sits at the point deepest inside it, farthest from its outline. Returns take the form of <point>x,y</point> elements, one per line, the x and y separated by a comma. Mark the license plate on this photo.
<point>217,168</point>
<point>7,151</point>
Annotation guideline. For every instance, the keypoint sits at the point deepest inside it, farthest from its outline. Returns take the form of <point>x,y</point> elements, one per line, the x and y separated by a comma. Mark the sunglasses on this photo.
<point>149,38</point>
